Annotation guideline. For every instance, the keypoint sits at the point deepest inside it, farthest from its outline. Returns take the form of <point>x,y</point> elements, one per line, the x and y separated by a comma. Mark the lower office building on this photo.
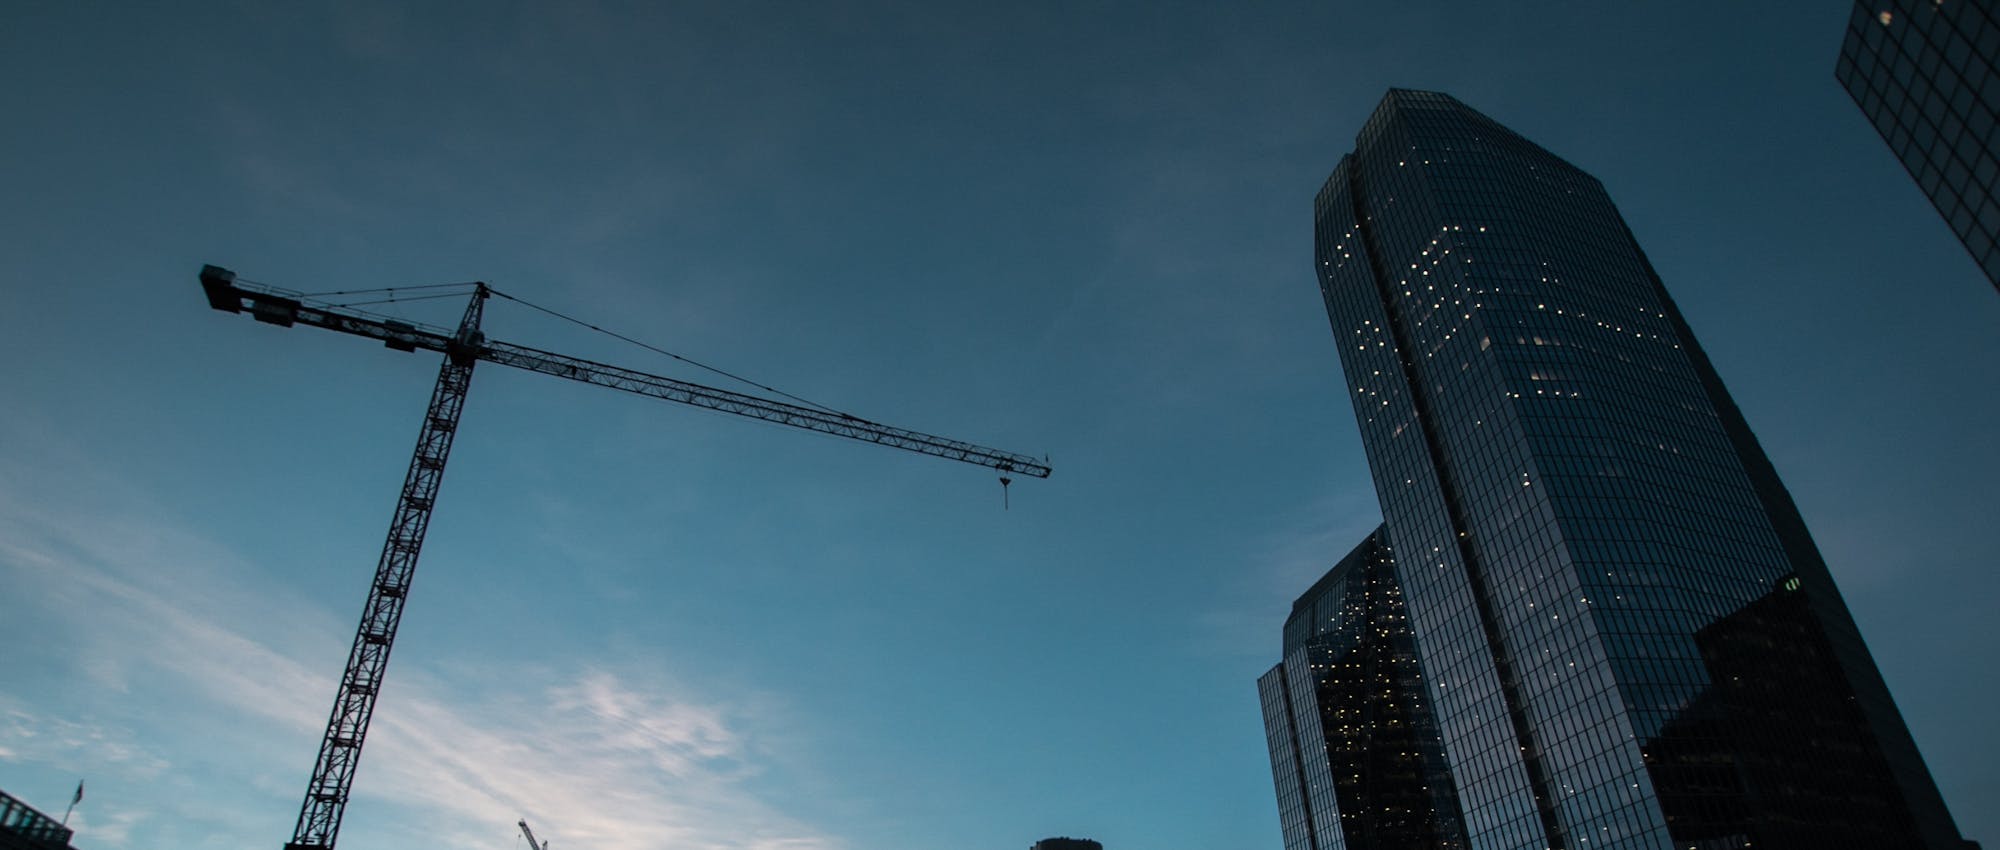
<point>1593,617</point>
<point>1354,751</point>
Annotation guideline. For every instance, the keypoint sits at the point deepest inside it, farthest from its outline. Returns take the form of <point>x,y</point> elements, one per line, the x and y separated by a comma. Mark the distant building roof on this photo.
<point>22,827</point>
<point>1066,843</point>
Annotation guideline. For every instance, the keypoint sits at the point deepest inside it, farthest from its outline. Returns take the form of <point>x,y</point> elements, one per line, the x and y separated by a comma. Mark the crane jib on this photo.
<point>287,309</point>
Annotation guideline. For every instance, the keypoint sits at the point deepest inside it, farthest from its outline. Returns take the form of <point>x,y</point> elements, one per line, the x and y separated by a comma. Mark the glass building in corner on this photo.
<point>1927,75</point>
<point>1626,637</point>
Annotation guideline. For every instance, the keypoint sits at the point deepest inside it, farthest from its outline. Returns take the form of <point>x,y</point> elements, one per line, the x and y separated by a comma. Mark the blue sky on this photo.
<point>1073,229</point>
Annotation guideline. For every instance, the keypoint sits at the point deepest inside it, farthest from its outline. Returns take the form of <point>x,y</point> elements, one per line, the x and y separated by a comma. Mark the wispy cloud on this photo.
<point>33,736</point>
<point>108,825</point>
<point>609,755</point>
<point>609,762</point>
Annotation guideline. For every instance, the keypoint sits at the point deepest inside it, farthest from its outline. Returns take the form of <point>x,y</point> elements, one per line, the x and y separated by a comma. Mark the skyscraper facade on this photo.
<point>1621,631</point>
<point>1927,74</point>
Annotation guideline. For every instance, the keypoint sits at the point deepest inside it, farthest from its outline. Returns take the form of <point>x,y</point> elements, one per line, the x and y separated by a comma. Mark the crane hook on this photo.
<point>1004,481</point>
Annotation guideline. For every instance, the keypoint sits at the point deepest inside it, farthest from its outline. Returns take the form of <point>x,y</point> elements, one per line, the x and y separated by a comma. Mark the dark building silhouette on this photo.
<point>1066,843</point>
<point>24,828</point>
<point>1776,701</point>
<point>1354,752</point>
<point>1927,74</point>
<point>1586,536</point>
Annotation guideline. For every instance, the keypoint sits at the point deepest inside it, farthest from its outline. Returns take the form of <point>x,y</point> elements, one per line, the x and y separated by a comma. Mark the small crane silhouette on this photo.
<point>354,704</point>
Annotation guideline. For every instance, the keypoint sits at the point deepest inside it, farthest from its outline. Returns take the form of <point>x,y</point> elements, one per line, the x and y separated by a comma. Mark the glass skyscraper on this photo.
<point>1927,74</point>
<point>1354,749</point>
<point>1620,634</point>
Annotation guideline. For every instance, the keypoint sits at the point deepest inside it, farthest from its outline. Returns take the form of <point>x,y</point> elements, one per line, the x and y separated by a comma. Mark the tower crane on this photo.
<point>354,703</point>
<point>531,837</point>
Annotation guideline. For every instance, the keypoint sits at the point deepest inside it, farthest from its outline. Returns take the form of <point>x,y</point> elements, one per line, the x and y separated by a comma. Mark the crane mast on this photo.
<point>368,659</point>
<point>354,703</point>
<point>531,837</point>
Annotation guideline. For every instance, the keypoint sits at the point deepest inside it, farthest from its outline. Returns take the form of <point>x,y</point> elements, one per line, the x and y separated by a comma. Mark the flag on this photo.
<point>79,793</point>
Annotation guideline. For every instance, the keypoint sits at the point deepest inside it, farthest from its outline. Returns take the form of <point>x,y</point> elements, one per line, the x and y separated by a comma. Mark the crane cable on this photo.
<point>393,299</point>
<point>388,289</point>
<point>695,363</point>
<point>390,294</point>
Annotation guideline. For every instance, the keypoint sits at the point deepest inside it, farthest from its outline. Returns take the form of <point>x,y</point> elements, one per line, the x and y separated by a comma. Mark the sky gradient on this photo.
<point>1074,229</point>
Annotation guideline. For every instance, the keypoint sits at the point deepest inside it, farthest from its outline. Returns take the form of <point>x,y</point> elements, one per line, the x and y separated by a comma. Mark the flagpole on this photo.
<point>78,798</point>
